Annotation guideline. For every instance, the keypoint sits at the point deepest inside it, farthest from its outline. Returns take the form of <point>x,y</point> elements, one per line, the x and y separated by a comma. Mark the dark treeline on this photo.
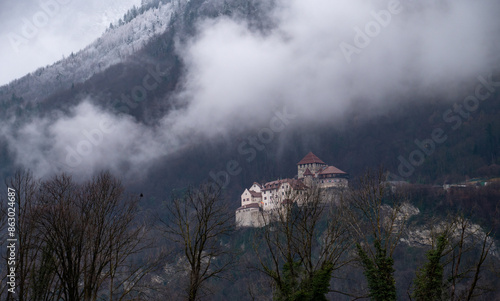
<point>94,241</point>
<point>364,138</point>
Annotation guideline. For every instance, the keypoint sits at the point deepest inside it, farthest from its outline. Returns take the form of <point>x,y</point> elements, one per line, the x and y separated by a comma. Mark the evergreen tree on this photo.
<point>429,280</point>
<point>379,272</point>
<point>300,286</point>
<point>319,283</point>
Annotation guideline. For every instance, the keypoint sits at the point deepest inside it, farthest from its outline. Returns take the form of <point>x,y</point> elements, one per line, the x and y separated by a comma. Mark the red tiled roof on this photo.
<point>257,184</point>
<point>331,170</point>
<point>255,194</point>
<point>252,205</point>
<point>296,184</point>
<point>310,158</point>
<point>273,184</point>
<point>308,172</point>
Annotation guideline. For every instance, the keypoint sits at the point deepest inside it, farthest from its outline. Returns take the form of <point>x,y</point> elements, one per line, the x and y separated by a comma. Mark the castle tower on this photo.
<point>308,177</point>
<point>311,162</point>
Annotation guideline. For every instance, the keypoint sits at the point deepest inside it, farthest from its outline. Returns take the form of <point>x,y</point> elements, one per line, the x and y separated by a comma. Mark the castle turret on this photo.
<point>308,177</point>
<point>332,177</point>
<point>311,162</point>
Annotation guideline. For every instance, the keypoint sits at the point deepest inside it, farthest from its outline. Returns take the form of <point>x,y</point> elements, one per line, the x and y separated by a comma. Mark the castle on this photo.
<point>259,200</point>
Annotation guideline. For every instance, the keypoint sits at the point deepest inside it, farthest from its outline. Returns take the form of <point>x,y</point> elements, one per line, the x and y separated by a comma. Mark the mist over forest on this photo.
<point>176,95</point>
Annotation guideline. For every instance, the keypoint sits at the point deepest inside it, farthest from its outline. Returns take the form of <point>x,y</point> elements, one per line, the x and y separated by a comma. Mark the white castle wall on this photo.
<point>250,217</point>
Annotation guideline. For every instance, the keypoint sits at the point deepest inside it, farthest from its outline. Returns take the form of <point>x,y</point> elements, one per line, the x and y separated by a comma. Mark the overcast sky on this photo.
<point>36,33</point>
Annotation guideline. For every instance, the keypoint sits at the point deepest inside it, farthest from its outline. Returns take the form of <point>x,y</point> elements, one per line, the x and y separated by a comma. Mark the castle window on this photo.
<point>265,198</point>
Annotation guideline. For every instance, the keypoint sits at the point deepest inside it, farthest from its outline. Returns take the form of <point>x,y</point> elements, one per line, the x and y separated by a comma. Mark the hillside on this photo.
<point>183,92</point>
<point>143,50</point>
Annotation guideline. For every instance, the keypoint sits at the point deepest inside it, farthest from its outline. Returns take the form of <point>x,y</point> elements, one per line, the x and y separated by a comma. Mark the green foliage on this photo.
<point>429,280</point>
<point>289,289</point>
<point>379,273</point>
<point>318,285</point>
<point>297,286</point>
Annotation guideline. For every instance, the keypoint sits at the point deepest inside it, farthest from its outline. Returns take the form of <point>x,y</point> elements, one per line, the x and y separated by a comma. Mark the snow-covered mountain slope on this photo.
<point>112,48</point>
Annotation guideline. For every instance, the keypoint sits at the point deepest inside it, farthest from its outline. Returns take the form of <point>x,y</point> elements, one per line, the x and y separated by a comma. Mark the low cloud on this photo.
<point>85,141</point>
<point>321,60</point>
<point>393,48</point>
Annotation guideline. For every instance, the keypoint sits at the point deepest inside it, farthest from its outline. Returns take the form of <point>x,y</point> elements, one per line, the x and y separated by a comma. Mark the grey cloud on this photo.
<point>238,78</point>
<point>234,73</point>
<point>85,141</point>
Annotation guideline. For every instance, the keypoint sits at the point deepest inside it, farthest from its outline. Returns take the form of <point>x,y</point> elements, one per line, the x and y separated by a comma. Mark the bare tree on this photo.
<point>116,236</point>
<point>31,262</point>
<point>303,241</point>
<point>469,249</point>
<point>196,222</point>
<point>377,220</point>
<point>456,264</point>
<point>375,211</point>
<point>90,231</point>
